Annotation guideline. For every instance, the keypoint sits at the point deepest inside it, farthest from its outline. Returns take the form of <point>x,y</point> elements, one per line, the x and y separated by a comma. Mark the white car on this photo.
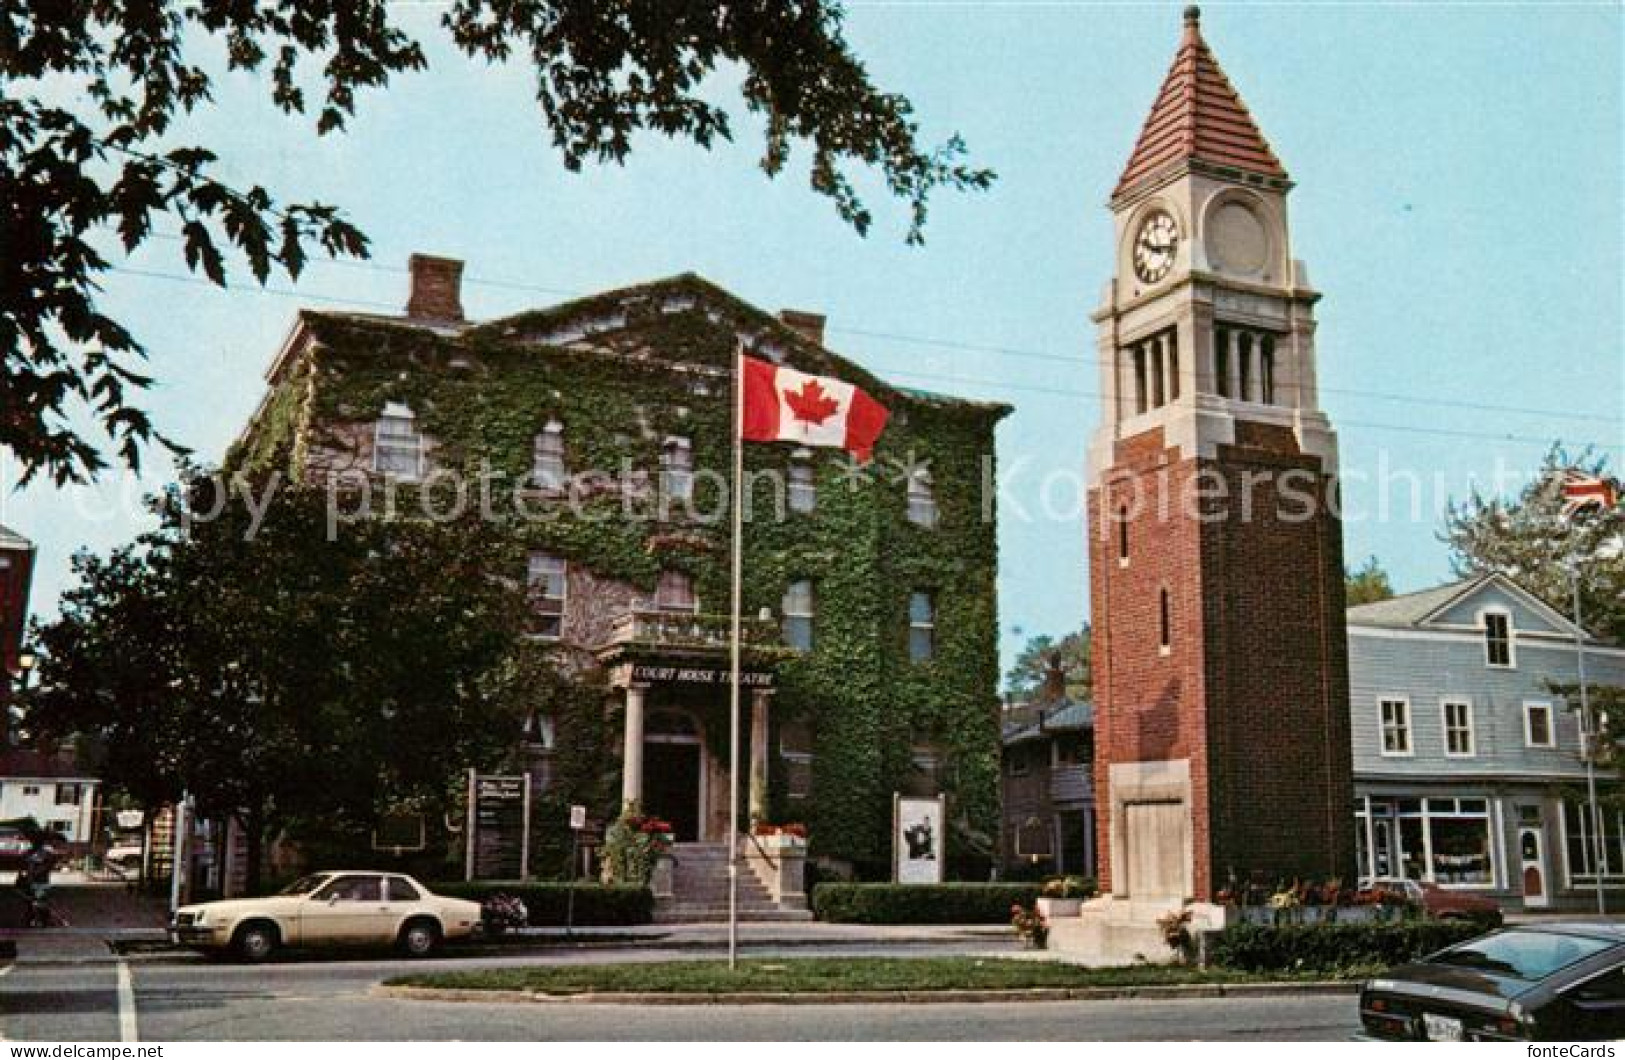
<point>343,908</point>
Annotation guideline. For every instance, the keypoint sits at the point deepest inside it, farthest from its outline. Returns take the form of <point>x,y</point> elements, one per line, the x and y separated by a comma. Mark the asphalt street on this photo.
<point>331,1000</point>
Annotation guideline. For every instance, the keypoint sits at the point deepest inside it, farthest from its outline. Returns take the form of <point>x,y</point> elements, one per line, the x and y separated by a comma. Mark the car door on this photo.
<point>346,909</point>
<point>401,900</point>
<point>1598,1007</point>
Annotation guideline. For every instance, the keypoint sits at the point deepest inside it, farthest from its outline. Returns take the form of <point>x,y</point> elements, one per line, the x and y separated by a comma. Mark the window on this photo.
<point>548,581</point>
<point>1444,841</point>
<point>1164,623</point>
<point>798,615</point>
<point>1458,728</point>
<point>30,789</point>
<point>1221,362</point>
<point>1018,762</point>
<point>539,730</point>
<point>1266,370</point>
<point>677,470</point>
<point>675,593</point>
<point>1396,726</point>
<point>397,446</point>
<point>796,749</point>
<point>350,889</point>
<point>547,468</point>
<point>1122,536</point>
<point>1537,725</point>
<point>1244,351</point>
<point>922,501</point>
<point>1141,395</point>
<point>401,890</point>
<point>1497,638</point>
<point>1580,830</point>
<point>801,488</point>
<point>922,626</point>
<point>68,794</point>
<point>61,827</point>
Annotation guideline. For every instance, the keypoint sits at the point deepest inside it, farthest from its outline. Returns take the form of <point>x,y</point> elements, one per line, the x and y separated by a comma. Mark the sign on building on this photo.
<point>918,838</point>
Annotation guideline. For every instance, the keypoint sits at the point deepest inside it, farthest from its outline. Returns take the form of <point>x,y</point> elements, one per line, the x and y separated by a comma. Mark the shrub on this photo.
<point>920,903</point>
<point>596,904</point>
<point>1332,947</point>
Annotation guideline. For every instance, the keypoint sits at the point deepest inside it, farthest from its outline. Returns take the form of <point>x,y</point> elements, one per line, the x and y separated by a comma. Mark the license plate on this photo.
<point>1442,1028</point>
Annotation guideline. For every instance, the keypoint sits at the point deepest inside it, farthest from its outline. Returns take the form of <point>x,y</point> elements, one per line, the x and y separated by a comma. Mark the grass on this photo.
<point>822,975</point>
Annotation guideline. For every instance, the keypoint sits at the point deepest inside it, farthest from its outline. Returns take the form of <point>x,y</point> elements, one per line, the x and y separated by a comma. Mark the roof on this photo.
<point>1198,116</point>
<point>11,539</point>
<point>35,765</point>
<point>1067,716</point>
<point>1409,609</point>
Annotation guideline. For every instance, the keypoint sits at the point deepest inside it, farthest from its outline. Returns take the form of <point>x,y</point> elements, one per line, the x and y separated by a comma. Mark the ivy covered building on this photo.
<point>600,431</point>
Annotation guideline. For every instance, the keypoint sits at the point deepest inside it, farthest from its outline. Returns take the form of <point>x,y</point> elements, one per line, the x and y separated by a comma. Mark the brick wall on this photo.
<point>1252,687</point>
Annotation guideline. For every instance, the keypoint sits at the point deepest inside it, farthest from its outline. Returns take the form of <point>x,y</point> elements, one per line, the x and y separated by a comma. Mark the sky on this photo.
<point>1458,202</point>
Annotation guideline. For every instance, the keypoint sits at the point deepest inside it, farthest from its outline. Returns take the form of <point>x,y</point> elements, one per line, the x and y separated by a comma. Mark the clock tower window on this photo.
<point>1155,364</point>
<point>1244,364</point>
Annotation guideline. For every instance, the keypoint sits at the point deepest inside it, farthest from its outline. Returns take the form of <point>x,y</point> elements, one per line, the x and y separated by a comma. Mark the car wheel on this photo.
<point>256,942</point>
<point>419,938</point>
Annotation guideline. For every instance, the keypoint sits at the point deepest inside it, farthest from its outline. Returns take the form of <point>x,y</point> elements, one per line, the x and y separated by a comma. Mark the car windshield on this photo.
<point>305,884</point>
<point>1528,955</point>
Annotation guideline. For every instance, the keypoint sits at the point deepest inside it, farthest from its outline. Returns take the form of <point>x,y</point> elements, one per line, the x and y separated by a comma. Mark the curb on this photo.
<point>877,997</point>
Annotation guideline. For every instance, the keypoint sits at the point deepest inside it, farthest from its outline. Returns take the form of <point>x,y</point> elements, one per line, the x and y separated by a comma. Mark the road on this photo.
<point>330,1000</point>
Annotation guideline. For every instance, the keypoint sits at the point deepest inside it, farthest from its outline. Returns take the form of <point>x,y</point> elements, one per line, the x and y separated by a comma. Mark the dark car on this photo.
<point>1557,982</point>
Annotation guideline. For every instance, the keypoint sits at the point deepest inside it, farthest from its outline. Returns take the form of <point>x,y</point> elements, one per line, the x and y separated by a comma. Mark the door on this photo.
<point>1155,844</point>
<point>671,786</point>
<point>1532,855</point>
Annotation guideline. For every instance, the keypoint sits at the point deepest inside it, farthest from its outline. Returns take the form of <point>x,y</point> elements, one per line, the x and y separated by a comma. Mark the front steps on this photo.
<point>700,890</point>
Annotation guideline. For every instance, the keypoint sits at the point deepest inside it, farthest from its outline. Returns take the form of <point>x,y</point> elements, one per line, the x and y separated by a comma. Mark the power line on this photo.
<point>1047,391</point>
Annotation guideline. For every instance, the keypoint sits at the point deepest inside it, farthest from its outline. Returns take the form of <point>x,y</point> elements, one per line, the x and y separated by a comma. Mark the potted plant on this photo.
<point>1064,895</point>
<point>1176,932</point>
<point>1030,926</point>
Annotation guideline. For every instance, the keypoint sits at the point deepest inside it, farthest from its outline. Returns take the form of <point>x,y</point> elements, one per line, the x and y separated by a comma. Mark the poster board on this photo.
<point>919,838</point>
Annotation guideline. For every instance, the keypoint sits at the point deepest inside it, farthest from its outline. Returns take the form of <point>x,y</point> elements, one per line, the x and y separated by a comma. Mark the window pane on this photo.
<point>919,608</point>
<point>803,493</point>
<point>920,645</point>
<point>675,593</point>
<point>1461,849</point>
<point>402,891</point>
<point>798,633</point>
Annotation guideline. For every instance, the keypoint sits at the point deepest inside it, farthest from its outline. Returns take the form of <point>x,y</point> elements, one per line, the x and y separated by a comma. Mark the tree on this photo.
<point>288,677</point>
<point>1368,584</point>
<point>1607,703</point>
<point>1526,539</point>
<point>1026,676</point>
<point>96,153</point>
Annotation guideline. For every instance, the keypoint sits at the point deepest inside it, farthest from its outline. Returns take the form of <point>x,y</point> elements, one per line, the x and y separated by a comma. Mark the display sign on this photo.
<point>578,818</point>
<point>498,823</point>
<point>918,838</point>
<point>699,675</point>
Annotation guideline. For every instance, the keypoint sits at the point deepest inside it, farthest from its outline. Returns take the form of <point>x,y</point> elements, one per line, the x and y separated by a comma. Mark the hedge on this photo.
<point>596,904</point>
<point>1332,947</point>
<point>920,903</point>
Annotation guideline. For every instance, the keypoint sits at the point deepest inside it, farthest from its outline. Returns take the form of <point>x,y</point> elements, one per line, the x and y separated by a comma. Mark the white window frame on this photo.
<point>677,476</point>
<point>532,581</point>
<point>30,791</point>
<point>801,483</point>
<point>1444,724</point>
<point>398,412</point>
<point>1511,638</point>
<point>922,500</point>
<point>547,447</point>
<point>1407,728</point>
<point>807,616</point>
<point>1529,706</point>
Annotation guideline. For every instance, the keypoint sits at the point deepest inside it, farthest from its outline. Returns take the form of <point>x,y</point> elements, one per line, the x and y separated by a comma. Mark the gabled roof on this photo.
<point>1066,716</point>
<point>13,541</point>
<point>1198,117</point>
<point>1422,608</point>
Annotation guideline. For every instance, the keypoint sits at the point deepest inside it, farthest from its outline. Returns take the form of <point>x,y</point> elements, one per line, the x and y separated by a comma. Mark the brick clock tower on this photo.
<point>1222,739</point>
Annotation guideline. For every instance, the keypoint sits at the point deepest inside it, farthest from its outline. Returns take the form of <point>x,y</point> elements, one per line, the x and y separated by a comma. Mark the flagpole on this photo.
<point>1590,741</point>
<point>733,682</point>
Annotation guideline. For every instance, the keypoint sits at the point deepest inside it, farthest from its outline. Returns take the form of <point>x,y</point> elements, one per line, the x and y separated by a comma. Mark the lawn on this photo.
<point>822,975</point>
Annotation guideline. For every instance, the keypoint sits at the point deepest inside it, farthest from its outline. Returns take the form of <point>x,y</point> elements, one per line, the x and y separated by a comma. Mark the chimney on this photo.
<point>437,285</point>
<point>809,326</point>
<point>1053,689</point>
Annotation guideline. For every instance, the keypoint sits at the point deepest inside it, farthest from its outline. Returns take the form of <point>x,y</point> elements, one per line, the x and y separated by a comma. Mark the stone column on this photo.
<point>759,699</point>
<point>1170,351</point>
<point>1255,367</point>
<point>1233,365</point>
<point>1153,353</point>
<point>632,754</point>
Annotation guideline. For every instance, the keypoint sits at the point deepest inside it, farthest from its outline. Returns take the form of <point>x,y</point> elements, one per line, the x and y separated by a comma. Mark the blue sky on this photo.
<point>1458,202</point>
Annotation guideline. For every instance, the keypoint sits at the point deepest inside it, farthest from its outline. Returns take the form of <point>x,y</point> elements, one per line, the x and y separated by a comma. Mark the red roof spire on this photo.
<point>1198,117</point>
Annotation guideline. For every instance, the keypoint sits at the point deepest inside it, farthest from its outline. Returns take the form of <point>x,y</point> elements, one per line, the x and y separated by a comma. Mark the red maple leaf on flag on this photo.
<point>810,404</point>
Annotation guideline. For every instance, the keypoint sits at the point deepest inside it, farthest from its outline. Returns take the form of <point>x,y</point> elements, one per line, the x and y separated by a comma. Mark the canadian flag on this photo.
<point>784,405</point>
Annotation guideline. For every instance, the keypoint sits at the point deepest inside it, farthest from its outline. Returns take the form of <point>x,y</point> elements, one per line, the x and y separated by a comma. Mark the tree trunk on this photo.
<point>254,837</point>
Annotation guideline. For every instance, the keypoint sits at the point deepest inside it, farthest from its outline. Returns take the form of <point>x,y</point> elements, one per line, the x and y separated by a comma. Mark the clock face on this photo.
<point>1154,247</point>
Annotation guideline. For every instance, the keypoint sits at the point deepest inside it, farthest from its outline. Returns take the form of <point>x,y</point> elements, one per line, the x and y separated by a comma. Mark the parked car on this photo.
<point>124,855</point>
<point>14,848</point>
<point>1440,903</point>
<point>342,908</point>
<point>1559,982</point>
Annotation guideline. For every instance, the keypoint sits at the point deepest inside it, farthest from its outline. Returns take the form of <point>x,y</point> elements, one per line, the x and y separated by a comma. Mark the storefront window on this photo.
<point>1580,829</point>
<point>1444,841</point>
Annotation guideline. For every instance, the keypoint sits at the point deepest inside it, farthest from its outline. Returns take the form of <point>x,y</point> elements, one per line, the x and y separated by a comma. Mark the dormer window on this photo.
<point>1497,639</point>
<point>547,467</point>
<point>677,470</point>
<point>397,449</point>
<point>922,499</point>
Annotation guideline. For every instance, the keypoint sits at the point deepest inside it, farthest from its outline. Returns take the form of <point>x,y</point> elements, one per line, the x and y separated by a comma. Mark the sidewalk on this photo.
<point>96,915</point>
